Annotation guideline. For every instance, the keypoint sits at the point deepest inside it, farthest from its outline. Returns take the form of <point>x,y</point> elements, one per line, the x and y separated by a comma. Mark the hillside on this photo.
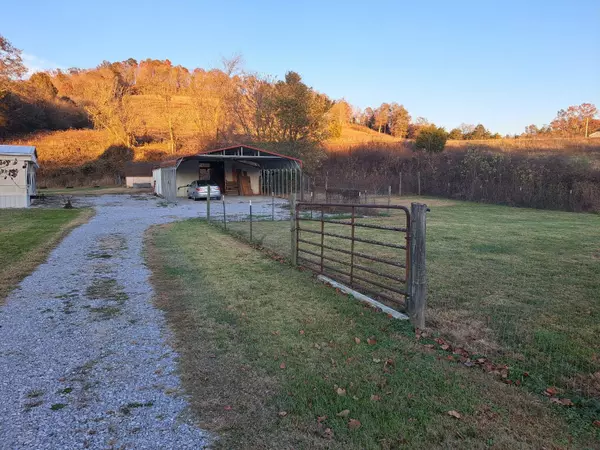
<point>359,135</point>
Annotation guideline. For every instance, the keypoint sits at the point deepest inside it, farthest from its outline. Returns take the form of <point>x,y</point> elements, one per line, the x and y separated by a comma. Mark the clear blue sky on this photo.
<point>505,64</point>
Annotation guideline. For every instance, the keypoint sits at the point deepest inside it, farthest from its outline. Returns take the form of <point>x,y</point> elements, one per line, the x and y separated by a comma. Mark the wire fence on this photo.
<point>547,343</point>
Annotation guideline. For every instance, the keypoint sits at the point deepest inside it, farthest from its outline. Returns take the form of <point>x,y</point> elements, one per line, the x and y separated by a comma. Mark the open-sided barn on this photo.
<point>238,170</point>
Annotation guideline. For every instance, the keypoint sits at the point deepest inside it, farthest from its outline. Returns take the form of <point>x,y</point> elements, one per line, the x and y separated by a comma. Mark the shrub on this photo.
<point>431,139</point>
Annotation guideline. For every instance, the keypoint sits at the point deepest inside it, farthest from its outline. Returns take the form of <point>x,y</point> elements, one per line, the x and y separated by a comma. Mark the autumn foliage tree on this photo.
<point>572,121</point>
<point>11,63</point>
<point>102,93</point>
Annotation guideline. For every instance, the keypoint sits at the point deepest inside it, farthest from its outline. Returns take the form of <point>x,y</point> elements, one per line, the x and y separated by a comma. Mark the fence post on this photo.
<point>208,205</point>
<point>400,185</point>
<point>389,197</point>
<point>294,250</point>
<point>273,206</point>
<point>224,214</point>
<point>250,220</point>
<point>417,273</point>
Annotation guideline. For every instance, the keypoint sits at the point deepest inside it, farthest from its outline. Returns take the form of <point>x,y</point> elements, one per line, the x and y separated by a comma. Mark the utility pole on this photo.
<point>587,121</point>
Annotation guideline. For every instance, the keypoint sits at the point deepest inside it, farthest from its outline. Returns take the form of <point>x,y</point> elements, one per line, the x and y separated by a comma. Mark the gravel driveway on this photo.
<point>84,355</point>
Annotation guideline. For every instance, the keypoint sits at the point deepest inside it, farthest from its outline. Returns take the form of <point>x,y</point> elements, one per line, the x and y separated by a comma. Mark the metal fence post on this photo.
<point>273,206</point>
<point>293,231</point>
<point>417,282</point>
<point>250,220</point>
<point>208,205</point>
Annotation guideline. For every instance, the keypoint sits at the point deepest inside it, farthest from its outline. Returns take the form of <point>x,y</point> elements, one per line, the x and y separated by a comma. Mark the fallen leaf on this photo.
<point>596,423</point>
<point>343,413</point>
<point>321,419</point>
<point>341,391</point>
<point>357,340</point>
<point>301,331</point>
<point>551,391</point>
<point>354,424</point>
<point>354,397</point>
<point>327,434</point>
<point>428,346</point>
<point>376,360</point>
<point>454,414</point>
<point>445,347</point>
<point>227,408</point>
<point>317,346</point>
<point>371,340</point>
<point>375,398</point>
<point>282,413</point>
<point>282,365</point>
<point>275,333</point>
<point>562,401</point>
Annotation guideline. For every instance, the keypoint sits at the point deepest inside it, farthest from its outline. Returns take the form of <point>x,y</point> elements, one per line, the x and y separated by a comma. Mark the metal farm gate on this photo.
<point>370,248</point>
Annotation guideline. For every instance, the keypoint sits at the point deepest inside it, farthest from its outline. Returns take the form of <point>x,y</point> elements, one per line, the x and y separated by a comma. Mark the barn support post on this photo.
<point>208,204</point>
<point>273,206</point>
<point>281,181</point>
<point>417,273</point>
<point>250,220</point>
<point>293,238</point>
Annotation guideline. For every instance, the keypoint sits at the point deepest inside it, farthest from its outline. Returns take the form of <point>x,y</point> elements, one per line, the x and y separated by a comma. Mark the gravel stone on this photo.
<point>84,355</point>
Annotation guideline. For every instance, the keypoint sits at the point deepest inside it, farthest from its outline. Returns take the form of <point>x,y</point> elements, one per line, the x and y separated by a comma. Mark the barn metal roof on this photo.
<point>19,150</point>
<point>234,153</point>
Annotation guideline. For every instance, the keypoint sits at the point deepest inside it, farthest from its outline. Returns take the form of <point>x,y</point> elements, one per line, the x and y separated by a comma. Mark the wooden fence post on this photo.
<point>294,250</point>
<point>417,274</point>
<point>400,185</point>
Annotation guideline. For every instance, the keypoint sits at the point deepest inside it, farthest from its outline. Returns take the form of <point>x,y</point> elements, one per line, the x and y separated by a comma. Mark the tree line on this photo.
<point>220,105</point>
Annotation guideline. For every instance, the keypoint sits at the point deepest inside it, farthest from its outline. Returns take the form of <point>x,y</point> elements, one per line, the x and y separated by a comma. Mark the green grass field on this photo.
<point>26,238</point>
<point>518,285</point>
<point>274,359</point>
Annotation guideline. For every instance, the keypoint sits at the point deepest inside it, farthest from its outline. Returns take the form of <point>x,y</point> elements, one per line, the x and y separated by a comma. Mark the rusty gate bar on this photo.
<point>347,270</point>
<point>322,236</point>
<point>358,266</point>
<point>352,248</point>
<point>349,238</point>
<point>360,255</point>
<point>362,225</point>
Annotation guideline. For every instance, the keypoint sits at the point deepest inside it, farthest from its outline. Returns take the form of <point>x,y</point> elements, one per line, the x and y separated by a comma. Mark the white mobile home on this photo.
<point>18,164</point>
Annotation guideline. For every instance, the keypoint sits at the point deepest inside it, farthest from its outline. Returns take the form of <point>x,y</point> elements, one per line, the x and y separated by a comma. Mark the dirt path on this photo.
<point>84,355</point>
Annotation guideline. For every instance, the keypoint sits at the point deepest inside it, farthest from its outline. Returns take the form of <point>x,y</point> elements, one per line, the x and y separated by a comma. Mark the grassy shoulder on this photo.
<point>26,238</point>
<point>517,285</point>
<point>273,359</point>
